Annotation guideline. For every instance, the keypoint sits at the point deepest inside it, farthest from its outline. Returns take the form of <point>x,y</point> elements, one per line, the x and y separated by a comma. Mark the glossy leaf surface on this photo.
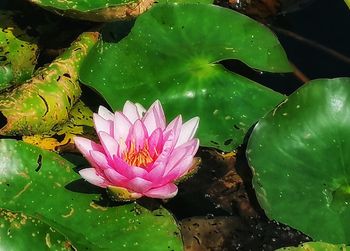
<point>170,55</point>
<point>43,184</point>
<point>299,154</point>
<point>21,232</point>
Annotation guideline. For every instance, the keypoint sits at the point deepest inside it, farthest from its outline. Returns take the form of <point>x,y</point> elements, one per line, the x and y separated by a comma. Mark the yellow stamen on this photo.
<point>139,158</point>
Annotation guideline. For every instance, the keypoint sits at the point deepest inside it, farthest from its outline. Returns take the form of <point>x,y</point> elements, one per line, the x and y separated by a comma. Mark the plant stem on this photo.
<point>312,43</point>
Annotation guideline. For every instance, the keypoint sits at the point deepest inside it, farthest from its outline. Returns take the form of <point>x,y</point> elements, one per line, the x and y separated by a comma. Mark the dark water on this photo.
<point>322,22</point>
<point>326,22</point>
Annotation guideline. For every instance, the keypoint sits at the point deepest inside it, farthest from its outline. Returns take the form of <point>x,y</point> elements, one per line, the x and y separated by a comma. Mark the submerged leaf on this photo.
<point>170,55</point>
<point>46,99</point>
<point>299,154</point>
<point>42,184</point>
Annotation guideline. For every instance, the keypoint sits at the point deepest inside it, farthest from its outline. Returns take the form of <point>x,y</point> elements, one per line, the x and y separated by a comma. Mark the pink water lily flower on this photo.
<point>138,153</point>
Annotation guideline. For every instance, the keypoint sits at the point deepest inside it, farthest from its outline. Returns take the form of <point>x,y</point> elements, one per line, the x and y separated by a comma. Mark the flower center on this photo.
<point>139,158</point>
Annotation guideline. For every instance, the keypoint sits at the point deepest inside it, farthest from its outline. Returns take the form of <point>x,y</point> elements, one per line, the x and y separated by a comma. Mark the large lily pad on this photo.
<point>43,184</point>
<point>96,10</point>
<point>299,154</point>
<point>19,232</point>
<point>172,54</point>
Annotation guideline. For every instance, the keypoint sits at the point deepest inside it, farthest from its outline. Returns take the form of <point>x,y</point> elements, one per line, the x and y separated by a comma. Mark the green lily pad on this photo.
<point>316,246</point>
<point>19,232</point>
<point>96,10</point>
<point>18,51</point>
<point>42,184</point>
<point>299,154</point>
<point>172,53</point>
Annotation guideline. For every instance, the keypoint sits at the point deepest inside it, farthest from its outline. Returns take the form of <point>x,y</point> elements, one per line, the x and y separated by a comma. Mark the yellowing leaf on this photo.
<point>60,138</point>
<point>45,100</point>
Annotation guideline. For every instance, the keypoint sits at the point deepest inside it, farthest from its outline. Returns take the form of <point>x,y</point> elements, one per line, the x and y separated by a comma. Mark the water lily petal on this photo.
<point>175,158</point>
<point>156,174</point>
<point>174,124</point>
<point>137,135</point>
<point>195,146</point>
<point>105,113</point>
<point>168,147</point>
<point>126,170</point>
<point>164,192</point>
<point>121,126</point>
<point>110,145</point>
<point>185,167</point>
<point>116,178</point>
<point>90,175</point>
<point>174,128</point>
<point>178,159</point>
<point>154,117</point>
<point>85,146</point>
<point>139,185</point>
<point>102,125</point>
<point>155,142</point>
<point>100,159</point>
<point>156,171</point>
<point>178,171</point>
<point>188,130</point>
<point>131,111</point>
<point>140,109</point>
<point>191,146</point>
